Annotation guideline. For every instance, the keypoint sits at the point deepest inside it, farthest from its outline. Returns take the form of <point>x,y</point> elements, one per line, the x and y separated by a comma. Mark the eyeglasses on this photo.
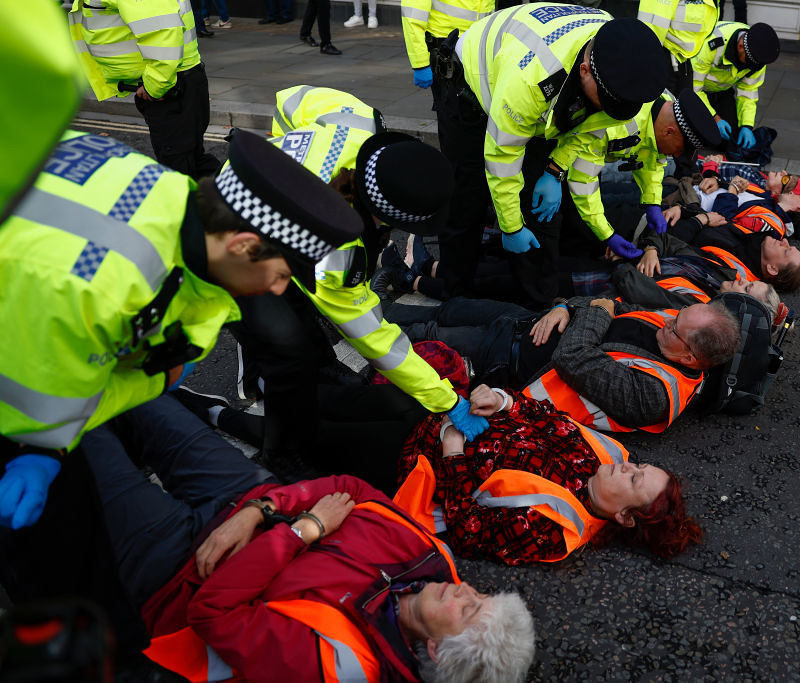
<point>795,185</point>
<point>674,330</point>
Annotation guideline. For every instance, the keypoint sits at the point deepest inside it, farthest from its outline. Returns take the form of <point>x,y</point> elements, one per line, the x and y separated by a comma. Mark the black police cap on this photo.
<point>629,66</point>
<point>404,182</point>
<point>695,121</point>
<point>761,44</point>
<point>287,205</point>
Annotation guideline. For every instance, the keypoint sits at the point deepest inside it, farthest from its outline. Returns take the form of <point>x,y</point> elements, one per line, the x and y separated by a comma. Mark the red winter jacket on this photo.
<point>346,570</point>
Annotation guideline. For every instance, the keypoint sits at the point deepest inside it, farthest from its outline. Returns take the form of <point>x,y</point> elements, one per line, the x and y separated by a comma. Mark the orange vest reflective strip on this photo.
<point>390,514</point>
<point>680,285</point>
<point>742,271</point>
<point>188,654</point>
<point>680,388</point>
<point>759,219</point>
<point>515,488</point>
<point>345,653</point>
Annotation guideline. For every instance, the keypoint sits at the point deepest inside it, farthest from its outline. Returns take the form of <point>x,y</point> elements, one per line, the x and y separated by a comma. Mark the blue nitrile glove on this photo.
<point>546,197</point>
<point>23,489</point>
<point>724,129</point>
<point>655,219</point>
<point>621,247</point>
<point>187,370</point>
<point>423,78</point>
<point>746,138</point>
<point>520,241</point>
<point>465,422</point>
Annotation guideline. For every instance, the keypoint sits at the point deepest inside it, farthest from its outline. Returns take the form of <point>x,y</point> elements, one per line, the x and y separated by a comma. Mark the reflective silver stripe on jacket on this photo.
<point>395,357</point>
<point>184,7</point>
<point>339,260</point>
<point>587,167</point>
<point>611,447</point>
<point>124,47</point>
<point>680,289</point>
<point>348,668</point>
<point>633,129</point>
<point>347,119</point>
<point>218,670</point>
<point>98,22</point>
<point>669,379</point>
<point>653,19</point>
<point>749,94</point>
<point>679,22</point>
<point>363,325</point>
<point>750,81</point>
<point>189,36</point>
<point>291,103</point>
<point>687,46</point>
<point>438,519</point>
<point>486,94</point>
<point>414,13</point>
<point>505,139</point>
<point>559,505</point>
<point>578,188</point>
<point>455,12</point>
<point>50,410</point>
<point>500,169</point>
<point>161,53</point>
<point>49,209</point>
<point>149,24</point>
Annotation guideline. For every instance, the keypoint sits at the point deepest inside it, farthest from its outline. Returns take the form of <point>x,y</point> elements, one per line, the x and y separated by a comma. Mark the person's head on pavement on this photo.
<point>685,124</point>
<point>401,182</point>
<point>701,336</point>
<point>615,82</point>
<point>780,264</point>
<point>266,219</point>
<point>762,291</point>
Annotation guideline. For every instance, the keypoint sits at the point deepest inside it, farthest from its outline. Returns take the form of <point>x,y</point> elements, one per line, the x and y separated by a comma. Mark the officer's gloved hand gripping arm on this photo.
<point>24,488</point>
<point>465,422</point>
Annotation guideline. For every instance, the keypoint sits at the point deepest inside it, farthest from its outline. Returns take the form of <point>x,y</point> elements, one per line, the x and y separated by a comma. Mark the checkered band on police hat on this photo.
<point>746,45</point>
<point>688,132</point>
<point>377,198</point>
<point>599,81</point>
<point>267,220</point>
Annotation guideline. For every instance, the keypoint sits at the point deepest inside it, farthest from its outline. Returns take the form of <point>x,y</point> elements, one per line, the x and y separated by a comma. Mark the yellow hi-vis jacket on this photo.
<point>438,18</point>
<point>516,62</point>
<point>125,40</point>
<point>518,489</point>
<point>343,294</point>
<point>633,141</point>
<point>681,25</point>
<point>714,72</point>
<point>41,85</point>
<point>83,255</point>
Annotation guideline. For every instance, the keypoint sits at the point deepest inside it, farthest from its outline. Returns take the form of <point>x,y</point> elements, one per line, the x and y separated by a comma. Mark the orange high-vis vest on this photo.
<point>742,271</point>
<point>345,653</point>
<point>680,387</point>
<point>759,219</point>
<point>516,489</point>
<point>680,285</point>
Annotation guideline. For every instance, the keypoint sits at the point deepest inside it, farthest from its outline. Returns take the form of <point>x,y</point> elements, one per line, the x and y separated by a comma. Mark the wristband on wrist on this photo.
<point>504,395</point>
<point>556,171</point>
<point>564,306</point>
<point>315,519</point>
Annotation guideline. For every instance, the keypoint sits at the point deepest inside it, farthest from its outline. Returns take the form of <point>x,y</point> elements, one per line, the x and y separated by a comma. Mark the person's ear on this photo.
<point>241,243</point>
<point>624,518</point>
<point>432,646</point>
<point>771,269</point>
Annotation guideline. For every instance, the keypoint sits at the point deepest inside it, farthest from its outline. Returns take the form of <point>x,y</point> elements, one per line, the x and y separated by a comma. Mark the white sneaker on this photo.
<point>207,21</point>
<point>354,21</point>
<point>372,22</point>
<point>222,24</point>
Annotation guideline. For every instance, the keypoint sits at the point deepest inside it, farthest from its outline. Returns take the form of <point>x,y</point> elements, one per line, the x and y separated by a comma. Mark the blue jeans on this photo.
<point>279,9</point>
<point>479,328</point>
<point>222,9</point>
<point>152,531</point>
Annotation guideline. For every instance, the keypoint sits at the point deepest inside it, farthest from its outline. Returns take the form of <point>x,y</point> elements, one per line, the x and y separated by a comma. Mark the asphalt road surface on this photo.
<point>725,611</point>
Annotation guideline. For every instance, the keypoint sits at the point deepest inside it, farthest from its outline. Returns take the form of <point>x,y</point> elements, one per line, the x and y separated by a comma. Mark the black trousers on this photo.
<point>178,122</point>
<point>739,10</point>
<point>725,104</point>
<point>321,11</point>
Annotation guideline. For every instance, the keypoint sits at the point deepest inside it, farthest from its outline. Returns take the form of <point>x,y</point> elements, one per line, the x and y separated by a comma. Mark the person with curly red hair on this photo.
<point>536,486</point>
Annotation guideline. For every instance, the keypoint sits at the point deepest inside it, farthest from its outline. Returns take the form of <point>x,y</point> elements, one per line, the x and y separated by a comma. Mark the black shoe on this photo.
<point>309,40</point>
<point>284,20</point>
<point>199,403</point>
<point>266,20</point>
<point>205,33</point>
<point>329,49</point>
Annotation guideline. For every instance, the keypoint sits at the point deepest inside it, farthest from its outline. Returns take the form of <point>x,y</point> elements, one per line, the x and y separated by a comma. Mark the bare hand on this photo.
<point>232,535</point>
<point>715,219</point>
<point>672,215</point>
<point>649,263</point>
<point>485,402</point>
<point>331,510</point>
<point>608,304</point>
<point>141,92</point>
<point>174,374</point>
<point>737,185</point>
<point>709,185</point>
<point>717,158</point>
<point>541,331</point>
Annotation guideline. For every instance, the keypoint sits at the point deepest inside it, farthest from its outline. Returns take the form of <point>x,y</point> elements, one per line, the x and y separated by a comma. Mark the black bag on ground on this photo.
<point>738,387</point>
